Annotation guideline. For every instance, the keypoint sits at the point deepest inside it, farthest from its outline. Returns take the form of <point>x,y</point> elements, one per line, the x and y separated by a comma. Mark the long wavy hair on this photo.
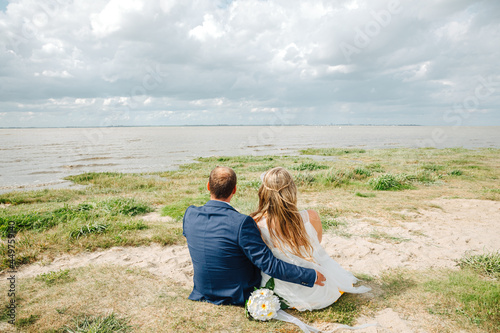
<point>278,204</point>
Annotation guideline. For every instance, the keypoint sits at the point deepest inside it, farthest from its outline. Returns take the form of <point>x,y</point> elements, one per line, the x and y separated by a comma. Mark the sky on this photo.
<point>249,62</point>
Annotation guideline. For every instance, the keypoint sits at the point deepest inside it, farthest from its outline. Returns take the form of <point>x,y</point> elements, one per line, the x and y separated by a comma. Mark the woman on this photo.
<point>294,236</point>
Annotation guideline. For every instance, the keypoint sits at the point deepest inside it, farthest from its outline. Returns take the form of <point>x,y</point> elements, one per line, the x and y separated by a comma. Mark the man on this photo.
<point>227,250</point>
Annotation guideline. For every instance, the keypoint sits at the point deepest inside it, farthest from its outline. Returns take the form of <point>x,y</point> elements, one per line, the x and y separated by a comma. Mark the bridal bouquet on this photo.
<point>263,304</point>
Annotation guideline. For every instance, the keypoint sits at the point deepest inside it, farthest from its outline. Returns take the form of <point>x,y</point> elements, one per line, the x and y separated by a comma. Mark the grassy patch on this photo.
<point>331,151</point>
<point>168,236</point>
<point>52,277</point>
<point>486,264</point>
<point>390,182</point>
<point>30,197</point>
<point>92,228</point>
<point>41,221</point>
<point>115,180</point>
<point>309,166</point>
<point>27,321</point>
<point>456,172</point>
<point>176,210</point>
<point>344,311</point>
<point>375,167</point>
<point>396,282</point>
<point>102,324</point>
<point>433,167</point>
<point>466,295</point>
<point>337,178</point>
<point>365,195</point>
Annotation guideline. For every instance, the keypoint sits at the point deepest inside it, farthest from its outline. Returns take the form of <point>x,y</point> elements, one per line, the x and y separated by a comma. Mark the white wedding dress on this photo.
<point>304,298</point>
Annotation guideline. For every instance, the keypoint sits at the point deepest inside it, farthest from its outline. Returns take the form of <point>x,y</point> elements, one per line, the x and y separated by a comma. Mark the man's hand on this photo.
<point>320,278</point>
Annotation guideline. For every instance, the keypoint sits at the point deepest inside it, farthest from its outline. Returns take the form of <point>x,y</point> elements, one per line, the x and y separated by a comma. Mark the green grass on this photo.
<point>31,197</point>
<point>91,228</point>
<point>487,263</point>
<point>309,166</point>
<point>26,322</point>
<point>52,277</point>
<point>115,180</point>
<point>375,167</point>
<point>89,211</point>
<point>98,324</point>
<point>466,295</point>
<point>176,210</point>
<point>433,167</point>
<point>337,178</point>
<point>365,195</point>
<point>344,311</point>
<point>390,182</point>
<point>331,151</point>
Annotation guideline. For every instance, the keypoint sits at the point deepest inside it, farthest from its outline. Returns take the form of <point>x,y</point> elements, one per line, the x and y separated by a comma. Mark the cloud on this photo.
<point>176,62</point>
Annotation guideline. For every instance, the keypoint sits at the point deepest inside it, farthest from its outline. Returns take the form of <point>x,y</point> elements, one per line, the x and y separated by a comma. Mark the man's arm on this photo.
<point>261,256</point>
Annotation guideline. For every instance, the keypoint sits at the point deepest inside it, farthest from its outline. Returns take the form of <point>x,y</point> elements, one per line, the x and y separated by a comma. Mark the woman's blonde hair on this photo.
<point>278,204</point>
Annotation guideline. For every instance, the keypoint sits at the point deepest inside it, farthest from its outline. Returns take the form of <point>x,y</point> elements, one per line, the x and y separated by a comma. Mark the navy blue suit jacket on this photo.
<point>228,254</point>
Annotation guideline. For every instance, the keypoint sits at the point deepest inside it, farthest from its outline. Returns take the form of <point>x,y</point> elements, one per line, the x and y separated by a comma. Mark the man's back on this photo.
<point>223,274</point>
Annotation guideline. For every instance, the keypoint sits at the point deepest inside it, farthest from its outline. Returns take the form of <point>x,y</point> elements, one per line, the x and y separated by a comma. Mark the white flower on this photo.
<point>263,304</point>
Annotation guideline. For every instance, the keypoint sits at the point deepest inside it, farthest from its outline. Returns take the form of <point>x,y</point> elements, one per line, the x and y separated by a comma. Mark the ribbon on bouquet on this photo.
<point>283,316</point>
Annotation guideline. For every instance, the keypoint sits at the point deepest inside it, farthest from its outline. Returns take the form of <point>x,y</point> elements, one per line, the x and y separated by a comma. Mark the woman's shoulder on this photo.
<point>315,221</point>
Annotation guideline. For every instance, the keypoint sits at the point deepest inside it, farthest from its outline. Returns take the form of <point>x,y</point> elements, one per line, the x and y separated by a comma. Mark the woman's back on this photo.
<point>338,280</point>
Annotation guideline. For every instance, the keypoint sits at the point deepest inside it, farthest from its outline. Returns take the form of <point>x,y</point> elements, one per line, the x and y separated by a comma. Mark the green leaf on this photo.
<point>246,309</point>
<point>270,284</point>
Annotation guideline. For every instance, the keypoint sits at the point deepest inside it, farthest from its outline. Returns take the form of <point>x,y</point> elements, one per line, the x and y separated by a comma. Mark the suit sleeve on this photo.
<point>261,256</point>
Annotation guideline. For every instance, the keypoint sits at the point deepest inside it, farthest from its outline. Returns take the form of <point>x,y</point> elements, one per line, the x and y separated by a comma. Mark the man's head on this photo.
<point>222,183</point>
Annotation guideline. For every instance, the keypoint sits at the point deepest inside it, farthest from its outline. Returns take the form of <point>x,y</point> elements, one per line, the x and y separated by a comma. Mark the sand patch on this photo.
<point>434,238</point>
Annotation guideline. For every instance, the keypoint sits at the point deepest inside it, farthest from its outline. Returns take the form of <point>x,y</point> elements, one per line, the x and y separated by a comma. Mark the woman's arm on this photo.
<point>316,223</point>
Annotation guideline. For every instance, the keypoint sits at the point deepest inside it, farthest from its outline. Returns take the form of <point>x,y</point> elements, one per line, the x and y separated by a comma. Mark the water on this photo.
<point>41,158</point>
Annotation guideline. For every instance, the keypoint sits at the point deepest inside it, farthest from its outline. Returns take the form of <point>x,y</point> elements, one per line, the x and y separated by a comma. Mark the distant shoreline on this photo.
<point>241,125</point>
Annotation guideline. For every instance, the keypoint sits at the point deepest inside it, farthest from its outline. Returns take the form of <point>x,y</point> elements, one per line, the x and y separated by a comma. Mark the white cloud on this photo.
<point>246,61</point>
<point>113,16</point>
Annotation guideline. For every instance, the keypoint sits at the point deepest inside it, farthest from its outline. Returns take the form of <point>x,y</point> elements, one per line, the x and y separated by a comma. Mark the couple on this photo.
<point>232,253</point>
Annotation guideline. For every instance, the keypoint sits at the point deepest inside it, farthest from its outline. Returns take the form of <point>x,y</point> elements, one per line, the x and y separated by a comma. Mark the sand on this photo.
<point>423,239</point>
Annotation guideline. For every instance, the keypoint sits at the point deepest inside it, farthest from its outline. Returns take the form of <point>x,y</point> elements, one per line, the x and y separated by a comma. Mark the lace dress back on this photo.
<point>302,298</point>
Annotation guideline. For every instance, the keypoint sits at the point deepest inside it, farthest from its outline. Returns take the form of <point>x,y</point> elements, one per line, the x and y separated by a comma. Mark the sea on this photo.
<point>39,158</point>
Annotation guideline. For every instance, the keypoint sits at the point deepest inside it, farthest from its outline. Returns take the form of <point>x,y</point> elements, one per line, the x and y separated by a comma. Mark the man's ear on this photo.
<point>234,190</point>
<point>208,186</point>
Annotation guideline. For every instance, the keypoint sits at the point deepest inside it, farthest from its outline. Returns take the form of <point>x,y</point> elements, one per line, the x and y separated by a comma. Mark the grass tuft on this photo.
<point>52,278</point>
<point>337,178</point>
<point>456,172</point>
<point>389,182</point>
<point>331,151</point>
<point>309,166</point>
<point>486,264</point>
<point>26,322</point>
<point>98,324</point>
<point>365,195</point>
<point>124,206</point>
<point>92,228</point>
